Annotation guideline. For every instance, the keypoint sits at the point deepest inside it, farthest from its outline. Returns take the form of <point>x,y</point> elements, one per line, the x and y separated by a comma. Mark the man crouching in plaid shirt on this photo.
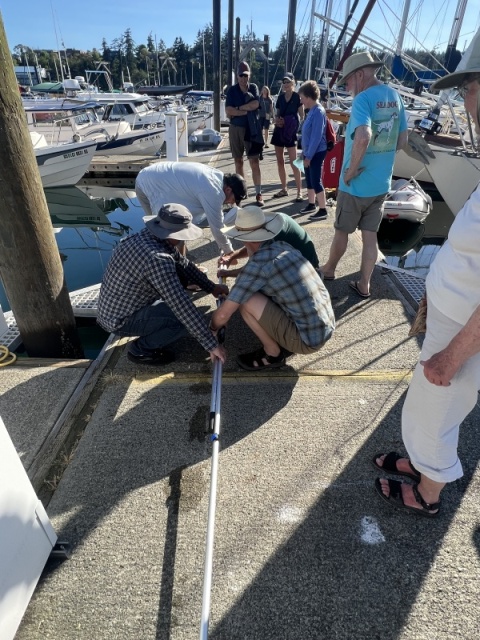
<point>278,292</point>
<point>142,292</point>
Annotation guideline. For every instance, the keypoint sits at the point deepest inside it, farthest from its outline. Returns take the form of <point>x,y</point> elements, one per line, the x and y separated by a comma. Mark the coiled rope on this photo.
<point>6,356</point>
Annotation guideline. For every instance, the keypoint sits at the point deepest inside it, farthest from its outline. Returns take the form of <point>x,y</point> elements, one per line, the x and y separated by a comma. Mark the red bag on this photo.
<point>330,135</point>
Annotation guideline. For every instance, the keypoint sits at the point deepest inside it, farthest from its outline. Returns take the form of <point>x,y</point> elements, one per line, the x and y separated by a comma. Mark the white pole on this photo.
<point>204,67</point>
<point>215,405</point>
<point>171,135</point>
<point>310,41</point>
<point>182,126</point>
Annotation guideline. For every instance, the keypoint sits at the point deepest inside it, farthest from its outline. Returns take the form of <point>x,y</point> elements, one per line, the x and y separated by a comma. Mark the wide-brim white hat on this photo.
<point>252,225</point>
<point>468,65</point>
<point>355,62</point>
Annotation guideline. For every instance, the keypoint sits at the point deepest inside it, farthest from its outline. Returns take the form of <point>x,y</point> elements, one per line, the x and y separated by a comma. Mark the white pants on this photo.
<point>432,415</point>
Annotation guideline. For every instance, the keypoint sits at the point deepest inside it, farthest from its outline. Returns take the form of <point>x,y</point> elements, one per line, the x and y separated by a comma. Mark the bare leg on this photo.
<point>265,135</point>
<point>369,258</point>
<point>292,155</point>
<point>239,166</point>
<point>255,167</point>
<point>321,199</point>
<point>337,250</point>
<point>251,312</point>
<point>281,166</point>
<point>311,196</point>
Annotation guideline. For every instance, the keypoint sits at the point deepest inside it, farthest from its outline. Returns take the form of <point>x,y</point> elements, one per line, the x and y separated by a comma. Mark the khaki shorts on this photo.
<point>358,213</point>
<point>283,330</point>
<point>238,144</point>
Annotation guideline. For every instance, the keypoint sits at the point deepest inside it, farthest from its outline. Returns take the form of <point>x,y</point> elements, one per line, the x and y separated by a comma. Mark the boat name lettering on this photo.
<point>72,154</point>
<point>392,104</point>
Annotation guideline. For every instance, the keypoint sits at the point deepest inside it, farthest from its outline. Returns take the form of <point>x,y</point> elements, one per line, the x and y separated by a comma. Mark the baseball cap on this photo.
<point>243,68</point>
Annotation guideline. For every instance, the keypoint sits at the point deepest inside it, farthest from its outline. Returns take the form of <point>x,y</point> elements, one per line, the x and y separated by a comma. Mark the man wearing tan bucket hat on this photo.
<point>377,127</point>
<point>445,382</point>
<point>279,294</point>
<point>143,290</point>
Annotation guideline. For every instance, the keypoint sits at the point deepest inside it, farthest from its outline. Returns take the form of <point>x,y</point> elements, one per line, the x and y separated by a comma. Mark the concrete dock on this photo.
<point>304,549</point>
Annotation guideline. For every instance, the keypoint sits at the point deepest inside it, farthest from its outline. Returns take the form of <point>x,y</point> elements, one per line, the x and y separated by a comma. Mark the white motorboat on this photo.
<point>406,200</point>
<point>205,138</point>
<point>61,121</point>
<point>62,164</point>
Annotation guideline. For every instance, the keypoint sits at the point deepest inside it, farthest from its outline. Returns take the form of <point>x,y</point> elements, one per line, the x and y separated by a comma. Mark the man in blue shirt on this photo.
<point>243,98</point>
<point>376,129</point>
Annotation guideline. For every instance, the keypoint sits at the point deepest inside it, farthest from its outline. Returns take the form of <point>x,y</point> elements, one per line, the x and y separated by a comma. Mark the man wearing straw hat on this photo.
<point>279,294</point>
<point>376,129</point>
<point>143,290</point>
<point>445,383</point>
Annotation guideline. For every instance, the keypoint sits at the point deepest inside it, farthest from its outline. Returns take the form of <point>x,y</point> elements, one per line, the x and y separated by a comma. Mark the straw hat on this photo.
<point>173,221</point>
<point>355,62</point>
<point>252,225</point>
<point>460,75</point>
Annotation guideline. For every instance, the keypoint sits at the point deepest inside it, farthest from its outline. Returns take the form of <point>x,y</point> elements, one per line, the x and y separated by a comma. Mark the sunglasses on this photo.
<point>286,82</point>
<point>243,75</point>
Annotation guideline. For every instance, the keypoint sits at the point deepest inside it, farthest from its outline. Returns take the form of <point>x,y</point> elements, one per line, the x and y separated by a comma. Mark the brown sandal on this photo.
<point>281,194</point>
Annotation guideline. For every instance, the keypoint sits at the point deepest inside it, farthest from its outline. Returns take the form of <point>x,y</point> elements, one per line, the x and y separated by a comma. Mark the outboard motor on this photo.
<point>430,123</point>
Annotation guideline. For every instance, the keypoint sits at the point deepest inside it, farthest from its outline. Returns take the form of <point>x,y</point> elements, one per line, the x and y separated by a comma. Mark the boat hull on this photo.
<point>65,164</point>
<point>135,143</point>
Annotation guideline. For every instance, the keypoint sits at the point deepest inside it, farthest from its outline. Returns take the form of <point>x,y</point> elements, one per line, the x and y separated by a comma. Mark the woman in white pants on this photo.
<point>445,384</point>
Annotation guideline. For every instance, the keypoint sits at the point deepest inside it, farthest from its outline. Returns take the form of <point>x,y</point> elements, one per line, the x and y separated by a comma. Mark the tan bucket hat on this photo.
<point>355,62</point>
<point>461,73</point>
<point>252,225</point>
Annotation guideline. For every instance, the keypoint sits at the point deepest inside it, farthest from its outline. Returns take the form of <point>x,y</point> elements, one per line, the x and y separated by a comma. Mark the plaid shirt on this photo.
<point>144,269</point>
<point>281,272</point>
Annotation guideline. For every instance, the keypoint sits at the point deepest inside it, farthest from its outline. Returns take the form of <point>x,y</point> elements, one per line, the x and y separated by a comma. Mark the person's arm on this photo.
<point>232,258</point>
<point>442,366</point>
<point>361,141</point>
<point>402,140</point>
<point>214,213</point>
<point>222,315</point>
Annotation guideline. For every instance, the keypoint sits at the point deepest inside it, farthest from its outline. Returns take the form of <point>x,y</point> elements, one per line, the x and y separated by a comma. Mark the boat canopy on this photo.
<point>57,105</point>
<point>48,87</point>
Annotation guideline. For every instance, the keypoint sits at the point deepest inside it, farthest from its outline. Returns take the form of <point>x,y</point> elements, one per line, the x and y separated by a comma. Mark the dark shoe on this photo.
<point>254,361</point>
<point>390,466</point>
<point>354,285</point>
<point>320,215</point>
<point>259,200</point>
<point>157,357</point>
<point>395,499</point>
<point>309,208</point>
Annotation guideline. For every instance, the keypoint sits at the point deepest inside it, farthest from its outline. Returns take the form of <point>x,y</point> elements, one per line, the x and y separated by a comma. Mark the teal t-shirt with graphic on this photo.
<point>380,108</point>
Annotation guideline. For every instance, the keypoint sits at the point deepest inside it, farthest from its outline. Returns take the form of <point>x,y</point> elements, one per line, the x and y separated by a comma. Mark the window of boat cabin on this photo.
<point>141,107</point>
<point>120,111</point>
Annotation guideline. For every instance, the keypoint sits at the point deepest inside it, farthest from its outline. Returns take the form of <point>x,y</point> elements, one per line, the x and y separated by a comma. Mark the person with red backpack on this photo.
<point>314,149</point>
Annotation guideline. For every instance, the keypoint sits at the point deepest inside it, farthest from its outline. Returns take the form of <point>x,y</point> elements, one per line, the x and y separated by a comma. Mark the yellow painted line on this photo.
<point>388,376</point>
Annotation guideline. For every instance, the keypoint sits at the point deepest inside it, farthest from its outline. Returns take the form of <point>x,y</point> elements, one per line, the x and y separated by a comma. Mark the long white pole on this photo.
<point>214,424</point>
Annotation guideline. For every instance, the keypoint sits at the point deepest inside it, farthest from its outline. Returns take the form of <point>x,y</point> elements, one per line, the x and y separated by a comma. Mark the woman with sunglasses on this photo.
<point>289,114</point>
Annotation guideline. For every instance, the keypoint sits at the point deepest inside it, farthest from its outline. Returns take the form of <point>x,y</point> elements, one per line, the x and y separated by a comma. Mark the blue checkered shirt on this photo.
<point>144,269</point>
<point>281,272</point>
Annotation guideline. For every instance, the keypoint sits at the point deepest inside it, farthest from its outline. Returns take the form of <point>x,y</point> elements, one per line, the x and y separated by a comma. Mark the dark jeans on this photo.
<point>156,326</point>
<point>313,173</point>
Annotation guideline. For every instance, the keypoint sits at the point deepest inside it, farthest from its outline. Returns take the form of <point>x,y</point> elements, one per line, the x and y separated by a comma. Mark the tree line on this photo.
<point>153,63</point>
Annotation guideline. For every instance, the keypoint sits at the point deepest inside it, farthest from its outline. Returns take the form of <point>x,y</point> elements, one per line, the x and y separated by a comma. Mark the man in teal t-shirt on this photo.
<point>376,129</point>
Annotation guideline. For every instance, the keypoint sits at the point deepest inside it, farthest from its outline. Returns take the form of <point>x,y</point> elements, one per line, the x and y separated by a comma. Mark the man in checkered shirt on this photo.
<point>143,294</point>
<point>279,294</point>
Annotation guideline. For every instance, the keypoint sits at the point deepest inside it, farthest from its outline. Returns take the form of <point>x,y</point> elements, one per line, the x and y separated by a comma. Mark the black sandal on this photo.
<point>395,499</point>
<point>254,361</point>
<point>390,466</point>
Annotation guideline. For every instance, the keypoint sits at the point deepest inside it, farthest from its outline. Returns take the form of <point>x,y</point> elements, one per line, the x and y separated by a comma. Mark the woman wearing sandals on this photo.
<point>265,112</point>
<point>445,383</point>
<point>289,113</point>
<point>314,148</point>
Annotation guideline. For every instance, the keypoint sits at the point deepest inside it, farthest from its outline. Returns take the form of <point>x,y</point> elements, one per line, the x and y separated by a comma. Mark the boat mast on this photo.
<point>310,41</point>
<point>398,68</point>
<point>452,55</point>
<point>326,33</point>
<point>353,39</point>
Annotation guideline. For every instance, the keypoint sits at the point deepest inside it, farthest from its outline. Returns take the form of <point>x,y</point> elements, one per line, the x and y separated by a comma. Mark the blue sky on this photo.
<point>83,25</point>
